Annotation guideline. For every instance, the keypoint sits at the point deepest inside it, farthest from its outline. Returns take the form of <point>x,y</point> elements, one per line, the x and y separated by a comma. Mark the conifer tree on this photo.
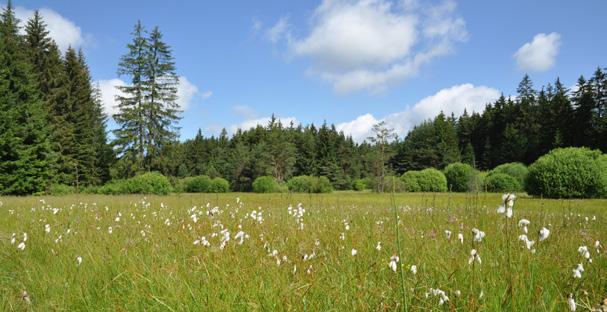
<point>25,153</point>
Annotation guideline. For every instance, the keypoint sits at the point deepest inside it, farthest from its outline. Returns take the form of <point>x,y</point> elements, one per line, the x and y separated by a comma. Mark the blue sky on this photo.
<point>349,62</point>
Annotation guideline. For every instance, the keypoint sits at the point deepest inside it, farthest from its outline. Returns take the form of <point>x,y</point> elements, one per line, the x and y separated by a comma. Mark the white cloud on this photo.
<point>108,94</point>
<point>264,121</point>
<point>539,54</point>
<point>186,91</point>
<point>207,94</point>
<point>450,100</point>
<point>370,44</point>
<point>278,31</point>
<point>65,32</point>
<point>244,112</point>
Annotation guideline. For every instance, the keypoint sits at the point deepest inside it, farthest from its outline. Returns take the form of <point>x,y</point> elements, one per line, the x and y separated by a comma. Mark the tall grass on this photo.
<point>150,262</point>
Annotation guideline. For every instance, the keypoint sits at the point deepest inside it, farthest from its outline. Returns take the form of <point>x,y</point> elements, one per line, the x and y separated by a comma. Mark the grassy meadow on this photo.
<point>332,252</point>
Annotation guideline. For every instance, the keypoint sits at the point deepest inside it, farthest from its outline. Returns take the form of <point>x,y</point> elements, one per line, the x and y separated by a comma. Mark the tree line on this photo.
<point>53,129</point>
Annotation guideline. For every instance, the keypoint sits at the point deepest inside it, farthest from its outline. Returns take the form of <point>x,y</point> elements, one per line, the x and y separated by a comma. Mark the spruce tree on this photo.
<point>148,110</point>
<point>25,153</point>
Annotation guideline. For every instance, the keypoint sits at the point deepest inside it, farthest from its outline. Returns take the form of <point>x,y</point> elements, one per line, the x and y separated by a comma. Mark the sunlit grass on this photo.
<point>150,262</point>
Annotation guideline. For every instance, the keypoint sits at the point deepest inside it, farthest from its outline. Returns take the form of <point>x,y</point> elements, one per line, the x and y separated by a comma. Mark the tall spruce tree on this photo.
<point>148,111</point>
<point>25,153</point>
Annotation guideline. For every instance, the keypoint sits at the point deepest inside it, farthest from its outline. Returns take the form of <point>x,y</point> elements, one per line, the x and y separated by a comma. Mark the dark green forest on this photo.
<point>53,130</point>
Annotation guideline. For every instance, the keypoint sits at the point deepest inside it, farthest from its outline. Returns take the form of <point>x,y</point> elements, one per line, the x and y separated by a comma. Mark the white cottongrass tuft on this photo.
<point>524,223</point>
<point>378,246</point>
<point>413,269</point>
<point>47,228</point>
<point>460,236</point>
<point>78,260</point>
<point>21,246</point>
<point>354,252</point>
<point>394,262</point>
<point>478,235</point>
<point>571,302</point>
<point>474,256</point>
<point>544,233</point>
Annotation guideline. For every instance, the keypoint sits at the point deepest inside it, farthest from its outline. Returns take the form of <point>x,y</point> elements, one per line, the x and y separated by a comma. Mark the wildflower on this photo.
<point>571,302</point>
<point>448,234</point>
<point>21,246</point>
<point>393,262</point>
<point>460,236</point>
<point>378,247</point>
<point>528,243</point>
<point>523,223</point>
<point>474,256</point>
<point>478,235</point>
<point>544,233</point>
<point>26,297</point>
<point>78,260</point>
<point>413,269</point>
<point>354,252</point>
<point>110,230</point>
<point>438,293</point>
<point>342,236</point>
<point>13,239</point>
<point>47,228</point>
<point>577,273</point>
<point>583,250</point>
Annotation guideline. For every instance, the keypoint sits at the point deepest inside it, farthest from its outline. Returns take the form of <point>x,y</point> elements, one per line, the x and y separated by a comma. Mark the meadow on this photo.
<point>300,252</point>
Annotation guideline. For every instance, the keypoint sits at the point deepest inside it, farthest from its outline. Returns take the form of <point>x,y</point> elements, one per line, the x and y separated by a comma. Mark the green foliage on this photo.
<point>432,180</point>
<point>391,183</point>
<point>461,177</point>
<point>61,189</point>
<point>568,173</point>
<point>502,183</point>
<point>411,181</point>
<point>359,185</point>
<point>147,183</point>
<point>197,184</point>
<point>427,180</point>
<point>309,184</point>
<point>219,185</point>
<point>267,184</point>
<point>516,170</point>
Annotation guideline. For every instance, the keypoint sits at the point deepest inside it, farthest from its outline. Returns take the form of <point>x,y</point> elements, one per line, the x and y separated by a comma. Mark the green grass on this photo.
<point>165,271</point>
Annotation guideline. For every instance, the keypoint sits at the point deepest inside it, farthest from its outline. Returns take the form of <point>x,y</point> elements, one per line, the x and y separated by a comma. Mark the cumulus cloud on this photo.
<point>539,54</point>
<point>454,100</point>
<point>65,32</point>
<point>263,121</point>
<point>186,91</point>
<point>370,44</point>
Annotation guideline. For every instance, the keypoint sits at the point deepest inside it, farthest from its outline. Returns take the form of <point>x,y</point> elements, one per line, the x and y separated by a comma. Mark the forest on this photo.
<point>53,130</point>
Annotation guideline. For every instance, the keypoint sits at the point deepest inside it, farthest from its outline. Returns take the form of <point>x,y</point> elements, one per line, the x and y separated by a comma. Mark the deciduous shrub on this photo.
<point>219,185</point>
<point>568,173</point>
<point>432,180</point>
<point>309,184</point>
<point>427,180</point>
<point>516,170</point>
<point>301,184</point>
<point>61,189</point>
<point>147,183</point>
<point>362,184</point>
<point>411,181</point>
<point>502,182</point>
<point>197,184</point>
<point>267,184</point>
<point>461,177</point>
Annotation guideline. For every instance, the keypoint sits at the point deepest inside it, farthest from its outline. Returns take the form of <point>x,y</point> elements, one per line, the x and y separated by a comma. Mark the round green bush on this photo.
<point>323,185</point>
<point>309,184</point>
<point>516,170</point>
<point>461,177</point>
<point>359,185</point>
<point>149,183</point>
<point>502,183</point>
<point>432,180</point>
<point>411,181</point>
<point>219,185</point>
<point>568,173</point>
<point>301,184</point>
<point>197,184</point>
<point>267,184</point>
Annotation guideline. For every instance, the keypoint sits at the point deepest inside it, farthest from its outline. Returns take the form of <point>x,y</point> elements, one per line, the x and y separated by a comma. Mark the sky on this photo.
<point>351,63</point>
